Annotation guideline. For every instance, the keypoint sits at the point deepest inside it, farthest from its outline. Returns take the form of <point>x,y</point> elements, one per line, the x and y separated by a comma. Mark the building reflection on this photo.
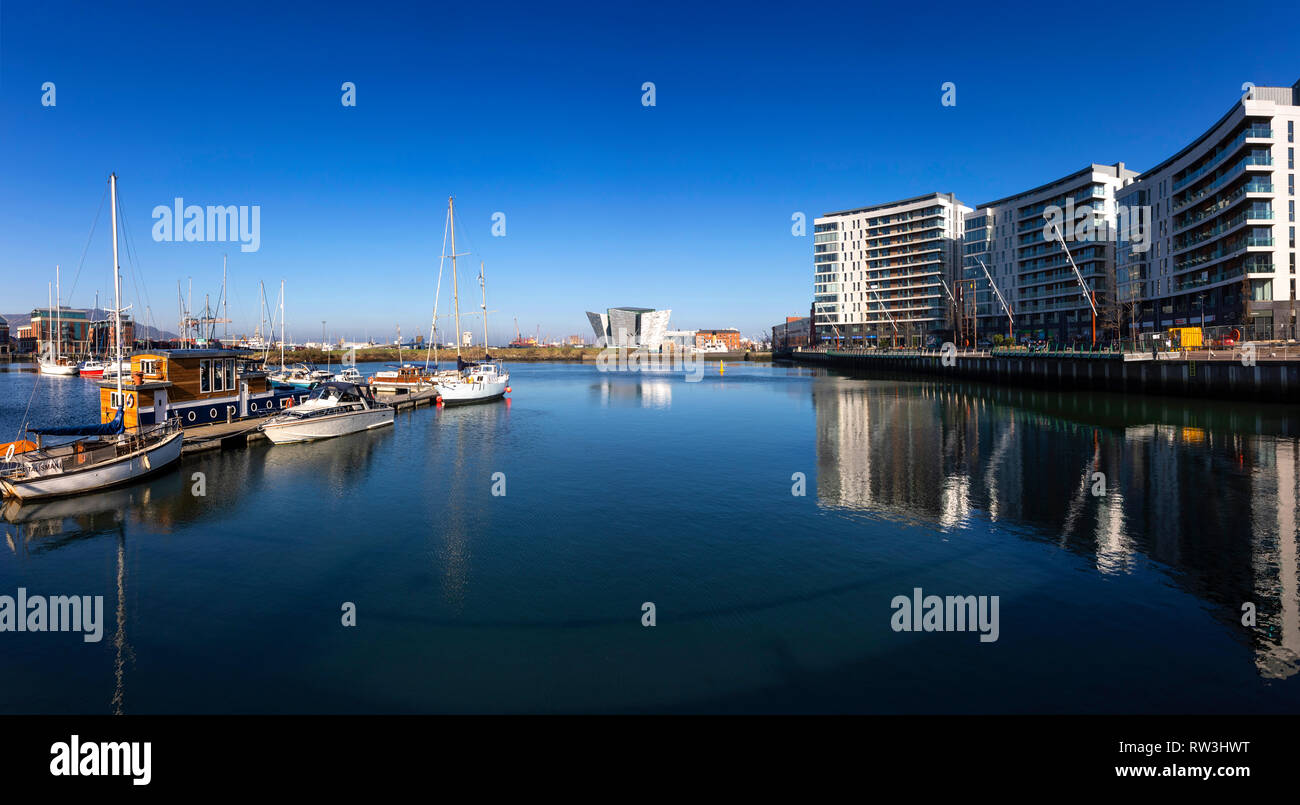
<point>1208,490</point>
<point>634,392</point>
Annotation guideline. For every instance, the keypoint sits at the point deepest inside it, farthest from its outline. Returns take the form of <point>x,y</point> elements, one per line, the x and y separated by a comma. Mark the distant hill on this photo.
<point>142,331</point>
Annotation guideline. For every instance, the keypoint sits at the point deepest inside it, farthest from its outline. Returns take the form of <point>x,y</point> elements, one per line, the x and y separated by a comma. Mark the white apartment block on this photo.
<point>1013,239</point>
<point>879,272</point>
<point>1221,249</point>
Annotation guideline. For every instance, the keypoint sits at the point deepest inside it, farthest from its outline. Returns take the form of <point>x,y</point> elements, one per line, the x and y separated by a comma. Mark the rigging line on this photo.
<point>89,238</point>
<point>433,325</point>
<point>133,263</point>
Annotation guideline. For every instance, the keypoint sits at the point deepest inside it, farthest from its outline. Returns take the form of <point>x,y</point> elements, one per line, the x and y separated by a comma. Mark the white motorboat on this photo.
<point>114,369</point>
<point>106,454</point>
<point>299,376</point>
<point>334,409</point>
<point>350,374</point>
<point>474,381</point>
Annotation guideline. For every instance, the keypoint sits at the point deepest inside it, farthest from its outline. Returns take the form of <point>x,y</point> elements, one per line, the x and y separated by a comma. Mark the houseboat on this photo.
<point>196,387</point>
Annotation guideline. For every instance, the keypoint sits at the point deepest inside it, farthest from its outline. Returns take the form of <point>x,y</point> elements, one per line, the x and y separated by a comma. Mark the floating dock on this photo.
<point>241,432</point>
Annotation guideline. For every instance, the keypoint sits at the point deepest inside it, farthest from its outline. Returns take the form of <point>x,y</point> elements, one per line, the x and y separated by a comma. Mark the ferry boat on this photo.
<point>196,387</point>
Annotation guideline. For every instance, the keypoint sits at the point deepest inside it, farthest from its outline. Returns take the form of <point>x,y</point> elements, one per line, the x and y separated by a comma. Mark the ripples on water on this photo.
<point>627,488</point>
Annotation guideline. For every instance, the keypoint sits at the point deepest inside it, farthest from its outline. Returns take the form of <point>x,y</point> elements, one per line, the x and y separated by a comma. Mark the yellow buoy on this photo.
<point>721,366</point>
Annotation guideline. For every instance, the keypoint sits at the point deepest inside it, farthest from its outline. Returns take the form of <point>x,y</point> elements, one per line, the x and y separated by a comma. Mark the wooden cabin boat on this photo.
<point>196,387</point>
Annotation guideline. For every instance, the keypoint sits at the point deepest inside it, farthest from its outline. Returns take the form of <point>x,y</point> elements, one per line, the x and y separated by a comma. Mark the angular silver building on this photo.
<point>642,327</point>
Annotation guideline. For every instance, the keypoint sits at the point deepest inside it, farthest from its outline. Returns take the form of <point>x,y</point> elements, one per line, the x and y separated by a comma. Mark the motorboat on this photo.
<point>299,376</point>
<point>334,408</point>
<point>91,368</point>
<point>350,374</point>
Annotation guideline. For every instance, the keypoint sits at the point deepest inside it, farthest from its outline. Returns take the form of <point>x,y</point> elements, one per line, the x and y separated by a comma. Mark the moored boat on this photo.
<point>473,381</point>
<point>102,456</point>
<point>335,408</point>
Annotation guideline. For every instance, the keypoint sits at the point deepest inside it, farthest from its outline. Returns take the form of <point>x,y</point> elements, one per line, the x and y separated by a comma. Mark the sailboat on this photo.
<point>106,454</point>
<point>53,363</point>
<point>475,381</point>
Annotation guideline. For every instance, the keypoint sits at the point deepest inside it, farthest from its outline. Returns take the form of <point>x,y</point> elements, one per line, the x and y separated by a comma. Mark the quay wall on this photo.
<point>1267,380</point>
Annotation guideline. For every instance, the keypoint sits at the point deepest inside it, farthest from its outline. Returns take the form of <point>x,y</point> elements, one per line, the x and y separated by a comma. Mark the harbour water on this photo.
<point>627,488</point>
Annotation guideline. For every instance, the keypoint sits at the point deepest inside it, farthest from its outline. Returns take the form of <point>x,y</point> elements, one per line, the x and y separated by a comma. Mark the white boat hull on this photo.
<point>59,369</point>
<point>461,393</point>
<point>288,430</point>
<point>102,476</point>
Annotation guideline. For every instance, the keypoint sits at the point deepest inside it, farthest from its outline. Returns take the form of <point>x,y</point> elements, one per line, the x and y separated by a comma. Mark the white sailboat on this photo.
<point>475,381</point>
<point>53,363</point>
<point>106,454</point>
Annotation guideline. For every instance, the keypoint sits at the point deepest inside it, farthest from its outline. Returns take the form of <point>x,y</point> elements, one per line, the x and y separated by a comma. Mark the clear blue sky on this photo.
<point>535,110</point>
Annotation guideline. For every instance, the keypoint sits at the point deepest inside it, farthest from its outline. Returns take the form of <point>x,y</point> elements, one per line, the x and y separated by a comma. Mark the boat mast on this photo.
<point>482,283</point>
<point>281,325</point>
<point>117,292</point>
<point>455,291</point>
<point>225,305</point>
<point>58,317</point>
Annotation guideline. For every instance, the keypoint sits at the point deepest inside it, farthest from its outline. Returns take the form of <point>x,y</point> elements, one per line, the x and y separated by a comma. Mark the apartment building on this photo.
<point>879,273</point>
<point>1221,245</point>
<point>1018,239</point>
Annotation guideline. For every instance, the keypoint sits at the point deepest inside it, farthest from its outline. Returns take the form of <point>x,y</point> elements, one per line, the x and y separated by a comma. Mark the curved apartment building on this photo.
<point>1012,239</point>
<point>1220,248</point>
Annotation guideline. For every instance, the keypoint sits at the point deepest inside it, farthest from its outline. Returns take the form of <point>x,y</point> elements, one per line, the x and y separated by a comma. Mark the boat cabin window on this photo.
<point>205,375</point>
<point>230,373</point>
<point>148,367</point>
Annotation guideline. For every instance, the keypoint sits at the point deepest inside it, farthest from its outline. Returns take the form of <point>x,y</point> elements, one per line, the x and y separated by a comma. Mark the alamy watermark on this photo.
<point>59,613</point>
<point>214,223</point>
<point>952,613</point>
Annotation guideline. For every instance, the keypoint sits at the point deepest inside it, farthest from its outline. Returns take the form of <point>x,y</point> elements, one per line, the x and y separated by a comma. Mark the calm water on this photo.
<point>626,488</point>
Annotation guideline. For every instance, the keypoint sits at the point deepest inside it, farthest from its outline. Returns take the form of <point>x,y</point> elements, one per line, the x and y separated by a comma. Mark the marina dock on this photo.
<point>241,432</point>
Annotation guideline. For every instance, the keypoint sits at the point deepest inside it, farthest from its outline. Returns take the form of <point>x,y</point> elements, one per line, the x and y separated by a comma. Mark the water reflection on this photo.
<point>1208,491</point>
<point>38,528</point>
<point>629,392</point>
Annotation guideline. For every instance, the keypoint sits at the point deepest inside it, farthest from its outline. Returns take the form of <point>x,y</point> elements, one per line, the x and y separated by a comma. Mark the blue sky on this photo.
<point>534,110</point>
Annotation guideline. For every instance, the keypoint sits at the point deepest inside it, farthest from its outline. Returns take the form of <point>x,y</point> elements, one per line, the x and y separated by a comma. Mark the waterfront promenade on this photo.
<point>1264,373</point>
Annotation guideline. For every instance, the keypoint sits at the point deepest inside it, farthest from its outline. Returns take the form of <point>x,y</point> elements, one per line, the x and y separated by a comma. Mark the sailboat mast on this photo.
<point>281,325</point>
<point>482,283</point>
<point>455,290</point>
<point>117,289</point>
<point>58,317</point>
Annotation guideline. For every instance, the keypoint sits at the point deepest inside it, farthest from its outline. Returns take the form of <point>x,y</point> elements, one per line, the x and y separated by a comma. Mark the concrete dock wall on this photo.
<point>1267,380</point>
